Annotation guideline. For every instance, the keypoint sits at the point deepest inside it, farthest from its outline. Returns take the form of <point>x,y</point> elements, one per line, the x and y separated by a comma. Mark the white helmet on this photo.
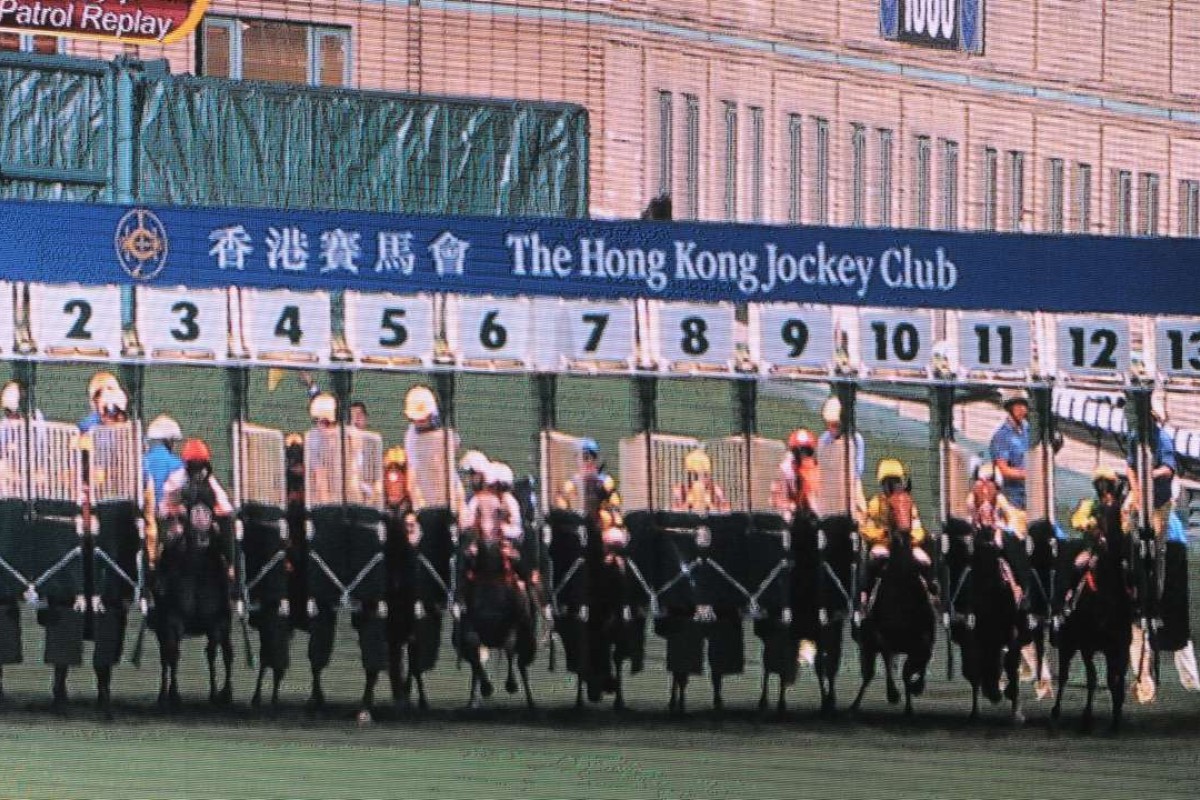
<point>10,398</point>
<point>419,403</point>
<point>831,411</point>
<point>164,429</point>
<point>499,474</point>
<point>323,408</point>
<point>474,461</point>
<point>113,398</point>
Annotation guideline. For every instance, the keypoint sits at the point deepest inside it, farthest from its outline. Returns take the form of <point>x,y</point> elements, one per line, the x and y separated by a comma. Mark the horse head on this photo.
<point>901,511</point>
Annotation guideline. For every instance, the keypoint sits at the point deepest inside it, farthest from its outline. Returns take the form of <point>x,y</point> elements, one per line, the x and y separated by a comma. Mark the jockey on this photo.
<point>158,466</point>
<point>10,399</point>
<point>876,530</point>
<point>323,451</point>
<point>197,471</point>
<point>395,481</point>
<point>989,508</point>
<point>591,488</point>
<point>97,386</point>
<point>799,476</point>
<point>474,465</point>
<point>113,406</point>
<point>699,493</point>
<point>1108,486</point>
<point>421,410</point>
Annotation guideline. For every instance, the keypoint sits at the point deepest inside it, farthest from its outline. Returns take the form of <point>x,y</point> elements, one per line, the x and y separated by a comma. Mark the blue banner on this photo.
<point>47,242</point>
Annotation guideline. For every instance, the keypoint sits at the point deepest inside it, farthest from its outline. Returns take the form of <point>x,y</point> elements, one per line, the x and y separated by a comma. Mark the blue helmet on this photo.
<point>589,447</point>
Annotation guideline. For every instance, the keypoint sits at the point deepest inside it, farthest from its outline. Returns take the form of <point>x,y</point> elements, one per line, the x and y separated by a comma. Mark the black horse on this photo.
<point>985,620</point>
<point>615,626</point>
<point>497,614</point>
<point>823,579</point>
<point>193,586</point>
<point>1097,613</point>
<point>900,618</point>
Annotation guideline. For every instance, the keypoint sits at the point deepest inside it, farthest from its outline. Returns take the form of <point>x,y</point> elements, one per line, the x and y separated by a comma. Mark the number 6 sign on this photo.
<point>493,329</point>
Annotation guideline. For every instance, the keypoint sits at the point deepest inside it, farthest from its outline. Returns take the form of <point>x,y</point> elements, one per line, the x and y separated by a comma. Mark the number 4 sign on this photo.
<point>289,326</point>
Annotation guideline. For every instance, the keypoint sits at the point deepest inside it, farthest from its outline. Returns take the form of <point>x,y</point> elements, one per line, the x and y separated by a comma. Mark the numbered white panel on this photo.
<point>289,326</point>
<point>595,331</point>
<point>1177,347</point>
<point>695,333</point>
<point>79,321</point>
<point>493,329</point>
<point>183,324</point>
<point>1097,346</point>
<point>994,342</point>
<point>791,336</point>
<point>389,326</point>
<point>895,339</point>
<point>8,313</point>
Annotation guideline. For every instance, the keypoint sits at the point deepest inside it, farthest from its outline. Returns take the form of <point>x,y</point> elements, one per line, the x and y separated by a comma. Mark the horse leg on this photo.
<point>174,700</point>
<point>276,680</point>
<point>579,693</point>
<point>510,683</point>
<point>1012,668</point>
<point>104,691</point>
<point>1064,672</point>
<point>396,676</point>
<point>619,700</point>
<point>210,652</point>
<point>370,678</point>
<point>718,701</point>
<point>762,699</point>
<point>525,683</point>
<point>829,661</point>
<point>164,661</point>
<point>316,697</point>
<point>1089,666</point>
<point>867,662</point>
<point>256,698</point>
<point>1116,666</point>
<point>58,690</point>
<point>422,700</point>
<point>225,696</point>
<point>889,667</point>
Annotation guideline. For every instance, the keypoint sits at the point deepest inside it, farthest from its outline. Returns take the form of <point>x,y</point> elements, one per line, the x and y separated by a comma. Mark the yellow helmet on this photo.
<point>397,456</point>
<point>293,439</point>
<point>10,397</point>
<point>698,461</point>
<point>890,468</point>
<point>100,382</point>
<point>831,412</point>
<point>1104,473</point>
<point>419,403</point>
<point>323,408</point>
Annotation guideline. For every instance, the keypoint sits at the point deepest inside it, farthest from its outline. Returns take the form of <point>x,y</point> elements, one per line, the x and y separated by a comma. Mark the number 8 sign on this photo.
<point>695,334</point>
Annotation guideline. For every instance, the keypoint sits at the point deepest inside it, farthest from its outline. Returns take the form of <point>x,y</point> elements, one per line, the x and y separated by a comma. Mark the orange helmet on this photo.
<point>802,438</point>
<point>195,451</point>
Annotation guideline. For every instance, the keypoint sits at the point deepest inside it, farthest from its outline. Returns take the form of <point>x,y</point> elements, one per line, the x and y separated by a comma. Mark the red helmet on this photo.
<point>195,450</point>
<point>802,438</point>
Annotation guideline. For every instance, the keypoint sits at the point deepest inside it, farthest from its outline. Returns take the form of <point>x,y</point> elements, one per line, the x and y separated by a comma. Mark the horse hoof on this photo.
<point>225,697</point>
<point>893,695</point>
<point>486,689</point>
<point>1018,720</point>
<point>619,705</point>
<point>511,686</point>
<point>762,705</point>
<point>364,717</point>
<point>175,701</point>
<point>256,701</point>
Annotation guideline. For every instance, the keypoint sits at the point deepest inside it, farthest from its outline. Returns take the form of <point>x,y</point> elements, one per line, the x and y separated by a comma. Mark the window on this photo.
<point>1189,208</point>
<point>1054,195</point>
<point>692,140</point>
<point>949,207</point>
<point>858,176</point>
<point>883,211</point>
<point>30,43</point>
<point>731,160</point>
<point>1083,198</point>
<point>795,167</point>
<point>756,164</point>
<point>921,183</point>
<point>821,175</point>
<point>270,50</point>
<point>1148,204</point>
<point>991,160</point>
<point>665,142</point>
<point>1016,189</point>
<point>1122,202</point>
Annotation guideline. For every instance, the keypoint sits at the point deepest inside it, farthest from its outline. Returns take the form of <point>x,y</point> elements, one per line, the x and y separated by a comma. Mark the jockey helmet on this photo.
<point>10,398</point>
<point>501,475</point>
<point>101,381</point>
<point>986,471</point>
<point>831,411</point>
<point>419,404</point>
<point>1011,397</point>
<point>802,438</point>
<point>1104,473</point>
<point>323,408</point>
<point>474,461</point>
<point>195,451</point>
<point>293,440</point>
<point>698,461</point>
<point>589,447</point>
<point>890,468</point>
<point>396,456</point>
<point>164,429</point>
<point>113,400</point>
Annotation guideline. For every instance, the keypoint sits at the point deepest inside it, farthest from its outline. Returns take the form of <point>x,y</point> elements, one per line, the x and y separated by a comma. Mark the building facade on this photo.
<point>1075,116</point>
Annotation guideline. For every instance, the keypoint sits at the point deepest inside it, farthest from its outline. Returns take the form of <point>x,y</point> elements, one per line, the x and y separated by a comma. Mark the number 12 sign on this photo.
<point>1093,345</point>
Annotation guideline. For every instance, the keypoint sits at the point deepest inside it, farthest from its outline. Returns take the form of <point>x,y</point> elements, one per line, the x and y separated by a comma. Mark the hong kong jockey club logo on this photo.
<point>141,243</point>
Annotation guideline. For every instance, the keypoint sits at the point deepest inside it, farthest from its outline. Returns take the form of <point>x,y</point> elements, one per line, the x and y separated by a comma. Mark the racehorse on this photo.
<point>985,620</point>
<point>1097,617</point>
<point>497,615</point>
<point>822,580</point>
<point>192,596</point>
<point>614,627</point>
<point>900,617</point>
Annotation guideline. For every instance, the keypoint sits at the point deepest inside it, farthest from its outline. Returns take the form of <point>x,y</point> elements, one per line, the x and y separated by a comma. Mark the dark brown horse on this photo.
<point>900,618</point>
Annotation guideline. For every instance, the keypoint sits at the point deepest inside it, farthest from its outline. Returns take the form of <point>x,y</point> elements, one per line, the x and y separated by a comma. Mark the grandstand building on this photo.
<point>1047,115</point>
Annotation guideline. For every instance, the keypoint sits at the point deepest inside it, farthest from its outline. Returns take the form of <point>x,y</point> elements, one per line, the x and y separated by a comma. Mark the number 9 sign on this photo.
<point>792,336</point>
